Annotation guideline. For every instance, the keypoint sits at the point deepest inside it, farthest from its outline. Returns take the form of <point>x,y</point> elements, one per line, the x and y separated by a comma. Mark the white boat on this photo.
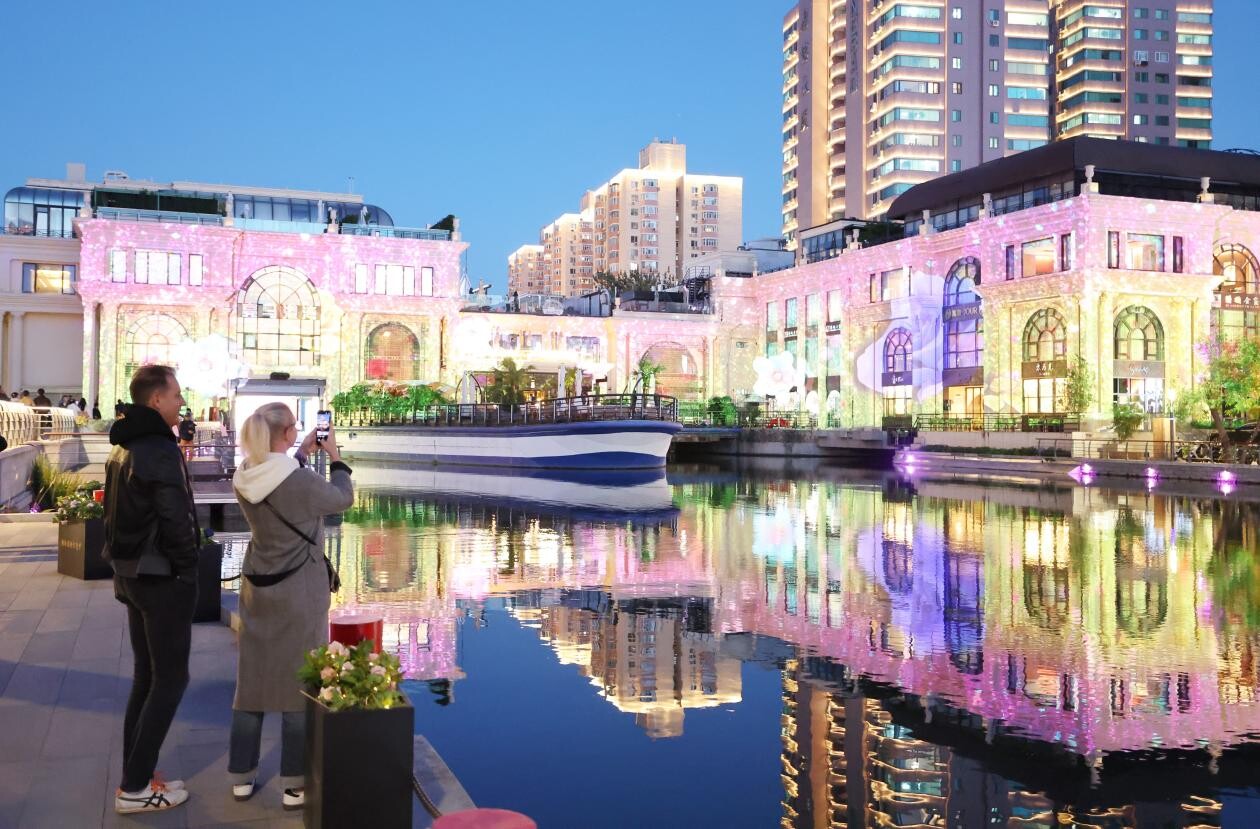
<point>592,432</point>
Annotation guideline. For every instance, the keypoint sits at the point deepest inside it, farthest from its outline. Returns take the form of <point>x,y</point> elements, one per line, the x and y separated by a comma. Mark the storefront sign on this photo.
<point>833,327</point>
<point>1038,369</point>
<point>1153,369</point>
<point>969,376</point>
<point>962,312</point>
<point>897,378</point>
<point>1232,300</point>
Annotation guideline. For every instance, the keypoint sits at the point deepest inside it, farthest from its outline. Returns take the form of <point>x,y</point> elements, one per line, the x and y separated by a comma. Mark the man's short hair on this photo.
<point>148,380</point>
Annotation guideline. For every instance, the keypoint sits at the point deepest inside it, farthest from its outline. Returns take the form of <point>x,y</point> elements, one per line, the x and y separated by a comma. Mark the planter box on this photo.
<point>209,584</point>
<point>358,767</point>
<point>79,546</point>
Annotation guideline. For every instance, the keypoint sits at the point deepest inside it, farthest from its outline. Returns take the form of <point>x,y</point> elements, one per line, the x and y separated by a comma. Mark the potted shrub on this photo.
<point>358,738</point>
<point>81,535</point>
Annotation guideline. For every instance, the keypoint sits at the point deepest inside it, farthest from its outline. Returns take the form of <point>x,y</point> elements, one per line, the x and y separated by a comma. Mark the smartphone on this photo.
<point>323,422</point>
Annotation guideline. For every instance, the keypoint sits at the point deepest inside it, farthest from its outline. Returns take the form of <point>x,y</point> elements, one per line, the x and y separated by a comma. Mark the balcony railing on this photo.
<point>591,407</point>
<point>396,232</point>
<point>123,214</point>
<point>278,225</point>
<point>998,423</point>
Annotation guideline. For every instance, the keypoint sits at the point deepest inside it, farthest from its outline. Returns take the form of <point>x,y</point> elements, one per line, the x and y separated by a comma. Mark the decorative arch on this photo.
<point>1045,336</point>
<point>150,339</point>
<point>1139,335</point>
<point>1234,320</point>
<point>277,318</point>
<point>680,375</point>
<point>1238,265</point>
<point>392,353</point>
<point>898,348</point>
<point>960,283</point>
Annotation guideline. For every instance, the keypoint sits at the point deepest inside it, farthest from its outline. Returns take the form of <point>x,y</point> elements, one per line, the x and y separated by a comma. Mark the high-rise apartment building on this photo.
<point>527,272</point>
<point>652,218</point>
<point>880,96</point>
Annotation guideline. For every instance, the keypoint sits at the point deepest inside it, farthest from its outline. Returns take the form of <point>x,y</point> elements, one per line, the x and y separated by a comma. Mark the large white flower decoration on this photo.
<point>209,365</point>
<point>777,375</point>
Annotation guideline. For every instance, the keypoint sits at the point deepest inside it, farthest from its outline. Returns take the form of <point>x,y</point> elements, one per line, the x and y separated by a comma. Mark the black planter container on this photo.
<point>209,586</point>
<point>79,546</point>
<point>358,767</point>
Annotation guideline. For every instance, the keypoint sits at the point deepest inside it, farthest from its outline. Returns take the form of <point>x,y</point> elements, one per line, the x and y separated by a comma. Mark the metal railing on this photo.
<point>24,424</point>
<point>591,407</point>
<point>998,423</point>
<point>396,232</point>
<point>697,415</point>
<point>123,214</point>
<point>1193,450</point>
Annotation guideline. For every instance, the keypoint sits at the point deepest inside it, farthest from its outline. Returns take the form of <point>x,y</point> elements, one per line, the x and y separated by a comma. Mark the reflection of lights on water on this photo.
<point>1083,474</point>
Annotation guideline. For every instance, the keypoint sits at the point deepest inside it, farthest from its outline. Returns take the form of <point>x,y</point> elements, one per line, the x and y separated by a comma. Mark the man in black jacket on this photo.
<point>151,542</point>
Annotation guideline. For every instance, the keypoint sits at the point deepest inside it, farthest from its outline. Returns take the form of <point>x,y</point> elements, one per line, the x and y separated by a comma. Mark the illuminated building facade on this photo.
<point>880,97</point>
<point>654,218</point>
<point>107,276</point>
<point>1123,255</point>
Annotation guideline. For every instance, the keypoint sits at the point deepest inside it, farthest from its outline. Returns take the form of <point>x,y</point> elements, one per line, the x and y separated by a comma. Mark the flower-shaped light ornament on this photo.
<point>777,375</point>
<point>208,365</point>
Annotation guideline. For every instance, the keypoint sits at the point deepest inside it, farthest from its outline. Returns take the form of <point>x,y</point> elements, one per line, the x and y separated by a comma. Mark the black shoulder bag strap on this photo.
<point>334,578</point>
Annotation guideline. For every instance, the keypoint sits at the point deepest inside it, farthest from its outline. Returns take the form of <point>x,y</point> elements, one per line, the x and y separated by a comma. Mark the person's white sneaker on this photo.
<point>244,791</point>
<point>294,799</point>
<point>150,799</point>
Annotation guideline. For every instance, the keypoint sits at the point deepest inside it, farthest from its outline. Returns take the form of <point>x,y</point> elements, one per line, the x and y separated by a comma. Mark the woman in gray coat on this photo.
<point>284,589</point>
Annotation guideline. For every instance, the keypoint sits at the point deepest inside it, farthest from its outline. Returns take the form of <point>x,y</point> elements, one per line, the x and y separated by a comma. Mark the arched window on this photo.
<point>1045,342</point>
<point>964,330</point>
<point>150,339</point>
<point>277,318</point>
<point>680,373</point>
<point>960,284</point>
<point>897,350</point>
<point>1232,320</point>
<point>1139,335</point>
<point>1045,336</point>
<point>393,353</point>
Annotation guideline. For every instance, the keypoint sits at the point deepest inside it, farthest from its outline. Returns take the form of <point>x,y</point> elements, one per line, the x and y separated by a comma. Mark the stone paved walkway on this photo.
<point>65,671</point>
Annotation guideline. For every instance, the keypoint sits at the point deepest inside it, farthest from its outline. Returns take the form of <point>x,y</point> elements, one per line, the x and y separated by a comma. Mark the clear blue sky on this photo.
<point>500,112</point>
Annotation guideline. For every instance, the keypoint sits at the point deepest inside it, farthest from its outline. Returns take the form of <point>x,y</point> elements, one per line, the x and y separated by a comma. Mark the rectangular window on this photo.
<point>1113,248</point>
<point>118,266</point>
<point>890,284</point>
<point>789,313</point>
<point>48,279</point>
<point>409,281</point>
<point>195,273</point>
<point>1066,259</point>
<point>1145,252</point>
<point>1038,257</point>
<point>378,280</point>
<point>157,267</point>
<point>772,317</point>
<point>1179,261</point>
<point>426,281</point>
<point>813,310</point>
<point>394,280</point>
<point>1010,261</point>
<point>360,279</point>
<point>835,305</point>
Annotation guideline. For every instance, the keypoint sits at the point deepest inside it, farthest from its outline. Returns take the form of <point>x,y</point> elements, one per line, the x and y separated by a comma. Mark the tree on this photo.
<point>618,283</point>
<point>1126,417</point>
<point>1230,384</point>
<point>508,383</point>
<point>647,372</point>
<point>1078,388</point>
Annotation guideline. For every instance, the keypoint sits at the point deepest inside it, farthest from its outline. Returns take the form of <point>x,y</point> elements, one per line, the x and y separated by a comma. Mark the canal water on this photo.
<point>818,647</point>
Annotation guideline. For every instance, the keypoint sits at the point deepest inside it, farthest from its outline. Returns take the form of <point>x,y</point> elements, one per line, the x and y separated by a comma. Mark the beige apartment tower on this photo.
<point>651,218</point>
<point>880,96</point>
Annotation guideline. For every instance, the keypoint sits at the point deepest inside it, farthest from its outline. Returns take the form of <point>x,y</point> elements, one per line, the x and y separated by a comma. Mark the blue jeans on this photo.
<point>246,744</point>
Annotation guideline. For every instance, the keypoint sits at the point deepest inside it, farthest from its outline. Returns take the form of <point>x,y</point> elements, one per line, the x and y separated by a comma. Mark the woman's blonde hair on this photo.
<point>259,428</point>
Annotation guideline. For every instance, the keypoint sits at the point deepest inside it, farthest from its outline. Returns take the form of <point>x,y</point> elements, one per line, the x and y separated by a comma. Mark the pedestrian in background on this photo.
<point>285,590</point>
<point>151,541</point>
<point>187,435</point>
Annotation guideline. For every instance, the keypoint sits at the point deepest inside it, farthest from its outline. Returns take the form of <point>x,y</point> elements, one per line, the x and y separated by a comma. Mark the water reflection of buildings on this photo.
<point>855,758</point>
<point>1094,621</point>
<point>653,659</point>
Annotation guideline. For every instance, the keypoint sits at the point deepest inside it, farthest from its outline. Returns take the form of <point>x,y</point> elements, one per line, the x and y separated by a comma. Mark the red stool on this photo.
<point>351,630</point>
<point>484,819</point>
